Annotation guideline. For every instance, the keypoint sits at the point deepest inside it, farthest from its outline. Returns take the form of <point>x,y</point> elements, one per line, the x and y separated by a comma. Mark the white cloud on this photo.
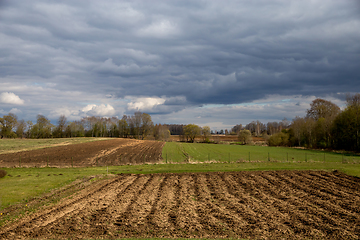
<point>145,104</point>
<point>103,110</point>
<point>89,107</point>
<point>15,111</point>
<point>11,98</point>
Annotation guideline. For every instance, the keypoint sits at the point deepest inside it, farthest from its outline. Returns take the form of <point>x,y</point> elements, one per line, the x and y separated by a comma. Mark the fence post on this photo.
<point>166,157</point>
<point>269,156</point>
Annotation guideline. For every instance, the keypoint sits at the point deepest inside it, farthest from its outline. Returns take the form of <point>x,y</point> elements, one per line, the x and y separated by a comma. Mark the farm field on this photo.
<point>21,185</point>
<point>95,153</point>
<point>221,138</point>
<point>18,145</point>
<point>200,152</point>
<point>257,204</point>
<point>125,188</point>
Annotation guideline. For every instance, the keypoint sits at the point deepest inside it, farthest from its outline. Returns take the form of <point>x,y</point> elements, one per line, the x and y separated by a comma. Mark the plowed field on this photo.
<point>106,152</point>
<point>266,205</point>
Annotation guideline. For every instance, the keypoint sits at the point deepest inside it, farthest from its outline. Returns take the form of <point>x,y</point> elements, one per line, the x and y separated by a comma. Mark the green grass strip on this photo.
<point>180,152</point>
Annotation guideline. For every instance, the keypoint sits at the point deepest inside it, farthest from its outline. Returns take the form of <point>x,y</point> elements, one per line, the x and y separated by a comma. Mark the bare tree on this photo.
<point>309,132</point>
<point>164,133</point>
<point>320,108</point>
<point>20,129</point>
<point>147,124</point>
<point>206,133</point>
<point>59,131</point>
<point>123,127</point>
<point>236,129</point>
<point>135,124</point>
<point>298,127</point>
<point>161,132</point>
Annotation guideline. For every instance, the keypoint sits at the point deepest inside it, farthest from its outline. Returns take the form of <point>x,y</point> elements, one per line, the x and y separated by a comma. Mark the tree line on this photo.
<point>324,126</point>
<point>139,126</point>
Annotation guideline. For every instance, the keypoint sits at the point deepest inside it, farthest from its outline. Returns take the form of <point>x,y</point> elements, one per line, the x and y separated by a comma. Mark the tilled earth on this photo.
<point>117,151</point>
<point>254,205</point>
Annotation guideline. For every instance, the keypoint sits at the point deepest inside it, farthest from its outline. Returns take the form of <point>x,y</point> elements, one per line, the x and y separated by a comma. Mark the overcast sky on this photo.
<point>216,63</point>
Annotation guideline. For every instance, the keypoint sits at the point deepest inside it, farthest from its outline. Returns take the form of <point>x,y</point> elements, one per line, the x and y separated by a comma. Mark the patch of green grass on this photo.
<point>350,169</point>
<point>21,184</point>
<point>16,145</point>
<point>179,152</point>
<point>20,197</point>
<point>173,152</point>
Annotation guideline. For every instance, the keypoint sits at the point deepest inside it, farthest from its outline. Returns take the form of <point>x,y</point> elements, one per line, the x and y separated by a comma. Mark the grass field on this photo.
<point>182,152</point>
<point>17,145</point>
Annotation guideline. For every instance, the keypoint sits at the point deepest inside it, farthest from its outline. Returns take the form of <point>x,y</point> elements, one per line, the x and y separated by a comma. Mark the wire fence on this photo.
<point>264,157</point>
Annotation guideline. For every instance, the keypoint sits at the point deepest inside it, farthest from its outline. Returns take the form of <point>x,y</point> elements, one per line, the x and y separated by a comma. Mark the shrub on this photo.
<point>279,139</point>
<point>244,136</point>
<point>2,173</point>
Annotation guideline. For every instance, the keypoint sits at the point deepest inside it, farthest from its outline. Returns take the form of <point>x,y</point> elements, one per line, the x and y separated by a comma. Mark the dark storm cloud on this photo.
<point>188,53</point>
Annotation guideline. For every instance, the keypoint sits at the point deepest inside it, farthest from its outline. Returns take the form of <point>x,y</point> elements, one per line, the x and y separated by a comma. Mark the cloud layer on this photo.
<point>171,57</point>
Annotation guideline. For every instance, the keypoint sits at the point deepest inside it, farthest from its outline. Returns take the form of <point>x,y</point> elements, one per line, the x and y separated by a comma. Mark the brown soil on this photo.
<point>254,205</point>
<point>106,152</point>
